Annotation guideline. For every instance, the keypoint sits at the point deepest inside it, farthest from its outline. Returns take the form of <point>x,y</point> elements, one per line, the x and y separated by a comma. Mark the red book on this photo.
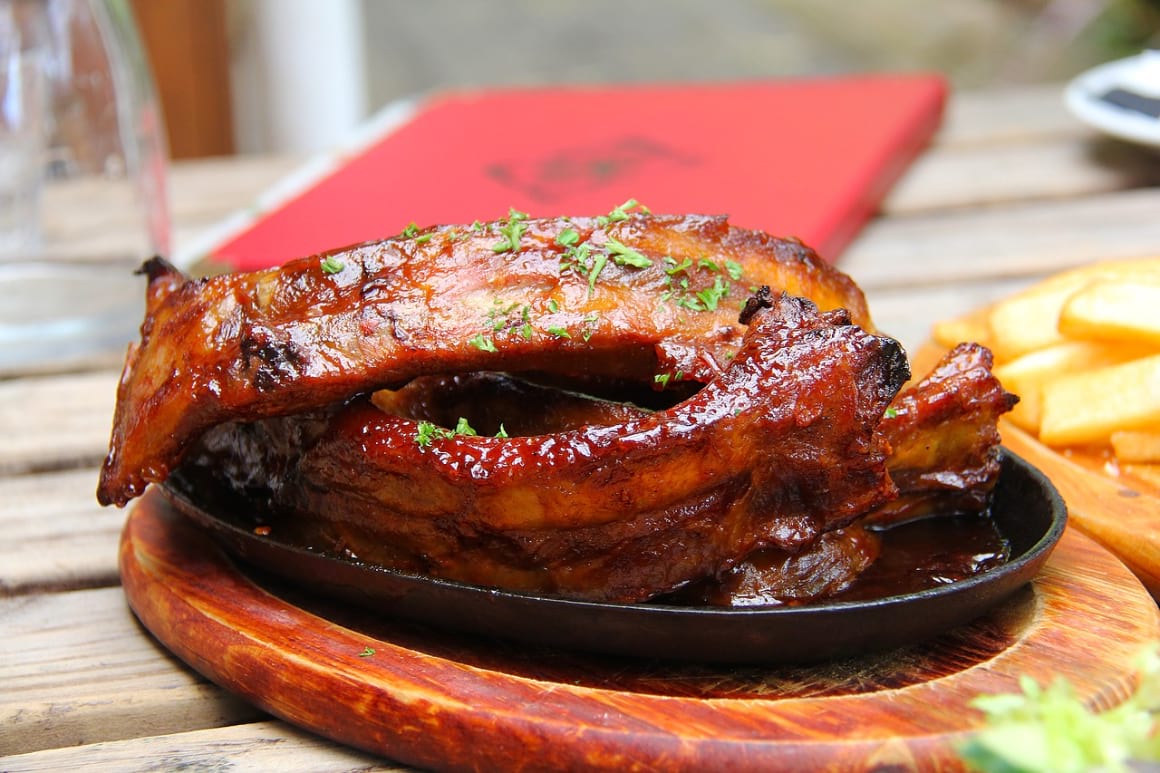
<point>810,158</point>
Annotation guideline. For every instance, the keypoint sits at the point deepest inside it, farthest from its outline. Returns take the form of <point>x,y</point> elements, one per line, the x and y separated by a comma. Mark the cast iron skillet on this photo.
<point>1027,509</point>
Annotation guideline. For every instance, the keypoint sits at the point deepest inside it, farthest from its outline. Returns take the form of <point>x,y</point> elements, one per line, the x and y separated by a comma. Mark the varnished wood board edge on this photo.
<point>429,711</point>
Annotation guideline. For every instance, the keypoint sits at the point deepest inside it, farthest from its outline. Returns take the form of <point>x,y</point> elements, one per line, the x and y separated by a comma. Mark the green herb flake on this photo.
<point>367,652</point>
<point>598,264</point>
<point>424,238</point>
<point>411,230</point>
<point>482,342</point>
<point>626,256</point>
<point>553,306</point>
<point>512,232</point>
<point>462,427</point>
<point>734,270</point>
<point>678,267</point>
<point>502,433</point>
<point>662,379</point>
<point>426,432</point>
<point>559,332</point>
<point>711,296</point>
<point>331,265</point>
<point>891,413</point>
<point>620,213</point>
<point>568,237</point>
<point>709,265</point>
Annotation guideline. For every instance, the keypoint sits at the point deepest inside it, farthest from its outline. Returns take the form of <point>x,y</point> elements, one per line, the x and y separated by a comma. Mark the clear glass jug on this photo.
<point>82,182</point>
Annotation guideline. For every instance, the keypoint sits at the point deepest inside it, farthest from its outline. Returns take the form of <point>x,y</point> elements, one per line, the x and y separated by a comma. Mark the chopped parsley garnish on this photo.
<point>621,213</point>
<point>553,306</point>
<point>626,256</point>
<point>426,432</point>
<point>367,652</point>
<point>502,433</point>
<point>734,270</point>
<point>568,237</point>
<point>482,342</point>
<point>411,230</point>
<point>891,413</point>
<point>559,332</point>
<point>332,265</point>
<point>598,264</point>
<point>512,232</point>
<point>711,296</point>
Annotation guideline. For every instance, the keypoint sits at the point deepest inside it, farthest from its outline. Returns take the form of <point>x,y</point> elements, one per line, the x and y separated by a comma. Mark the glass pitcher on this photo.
<point>82,182</point>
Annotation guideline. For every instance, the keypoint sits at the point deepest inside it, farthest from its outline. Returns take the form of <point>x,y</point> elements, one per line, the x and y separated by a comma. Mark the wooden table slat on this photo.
<point>77,668</point>
<point>56,535</point>
<point>259,747</point>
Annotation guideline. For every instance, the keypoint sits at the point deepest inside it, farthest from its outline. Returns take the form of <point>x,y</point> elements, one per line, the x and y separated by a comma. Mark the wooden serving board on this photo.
<point>1121,516</point>
<point>441,701</point>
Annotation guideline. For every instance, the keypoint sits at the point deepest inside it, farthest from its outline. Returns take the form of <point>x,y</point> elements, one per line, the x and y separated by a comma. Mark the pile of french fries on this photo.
<point>1082,351</point>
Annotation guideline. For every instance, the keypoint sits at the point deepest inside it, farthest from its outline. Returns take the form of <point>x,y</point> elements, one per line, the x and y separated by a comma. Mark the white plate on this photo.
<point>1138,77</point>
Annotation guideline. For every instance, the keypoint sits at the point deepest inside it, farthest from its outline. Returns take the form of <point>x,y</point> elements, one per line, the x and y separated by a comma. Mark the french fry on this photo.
<point>1137,445</point>
<point>973,326</point>
<point>1086,408</point>
<point>1148,473</point>
<point>1029,320</point>
<point>1026,375</point>
<point>1114,310</point>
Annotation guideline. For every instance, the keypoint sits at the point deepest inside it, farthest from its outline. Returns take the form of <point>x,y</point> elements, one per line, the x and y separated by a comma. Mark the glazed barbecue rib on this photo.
<point>777,449</point>
<point>627,297</point>
<point>942,430</point>
<point>944,439</point>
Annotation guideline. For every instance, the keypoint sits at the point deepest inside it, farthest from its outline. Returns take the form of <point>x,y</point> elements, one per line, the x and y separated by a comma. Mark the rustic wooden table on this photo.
<point>1013,189</point>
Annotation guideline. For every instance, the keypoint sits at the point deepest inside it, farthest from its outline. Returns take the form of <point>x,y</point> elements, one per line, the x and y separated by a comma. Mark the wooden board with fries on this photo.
<point>1082,350</point>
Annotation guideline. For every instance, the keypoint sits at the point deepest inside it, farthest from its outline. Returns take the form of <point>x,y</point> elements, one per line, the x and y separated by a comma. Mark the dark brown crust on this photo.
<point>777,449</point>
<point>281,341</point>
<point>944,436</point>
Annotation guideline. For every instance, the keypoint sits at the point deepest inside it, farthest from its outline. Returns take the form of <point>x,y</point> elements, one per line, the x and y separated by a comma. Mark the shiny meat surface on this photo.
<point>944,436</point>
<point>777,449</point>
<point>633,298</point>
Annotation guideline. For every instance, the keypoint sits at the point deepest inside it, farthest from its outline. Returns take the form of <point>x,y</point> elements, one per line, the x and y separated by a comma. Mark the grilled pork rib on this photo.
<point>635,298</point>
<point>776,450</point>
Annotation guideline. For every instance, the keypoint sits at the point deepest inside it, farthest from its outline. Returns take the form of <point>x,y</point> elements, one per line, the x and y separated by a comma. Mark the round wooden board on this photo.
<point>441,701</point>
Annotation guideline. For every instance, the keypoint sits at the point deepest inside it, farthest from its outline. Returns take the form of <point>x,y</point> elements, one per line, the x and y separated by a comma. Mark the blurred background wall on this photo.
<point>260,76</point>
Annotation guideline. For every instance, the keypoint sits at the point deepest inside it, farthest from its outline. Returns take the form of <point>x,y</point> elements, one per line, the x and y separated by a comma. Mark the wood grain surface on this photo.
<point>1122,517</point>
<point>436,700</point>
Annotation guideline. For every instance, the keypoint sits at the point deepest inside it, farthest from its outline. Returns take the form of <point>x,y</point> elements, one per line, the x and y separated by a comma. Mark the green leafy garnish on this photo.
<point>626,256</point>
<point>621,213</point>
<point>711,296</point>
<point>1050,730</point>
<point>367,652</point>
<point>502,433</point>
<point>410,231</point>
<point>568,237</point>
<point>734,270</point>
<point>890,413</point>
<point>559,332</point>
<point>512,232</point>
<point>426,432</point>
<point>332,265</point>
<point>482,342</point>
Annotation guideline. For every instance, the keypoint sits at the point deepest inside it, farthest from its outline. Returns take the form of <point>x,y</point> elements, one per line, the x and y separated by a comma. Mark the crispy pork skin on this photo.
<point>777,449</point>
<point>630,297</point>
